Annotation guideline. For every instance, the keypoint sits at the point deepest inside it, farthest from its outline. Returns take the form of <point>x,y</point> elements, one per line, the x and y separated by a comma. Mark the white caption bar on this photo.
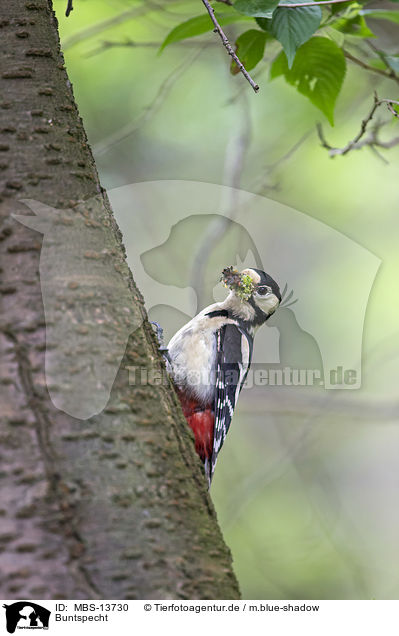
<point>179,617</point>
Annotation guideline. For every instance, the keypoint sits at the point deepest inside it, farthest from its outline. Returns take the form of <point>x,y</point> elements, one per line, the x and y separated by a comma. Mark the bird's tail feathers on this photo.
<point>208,471</point>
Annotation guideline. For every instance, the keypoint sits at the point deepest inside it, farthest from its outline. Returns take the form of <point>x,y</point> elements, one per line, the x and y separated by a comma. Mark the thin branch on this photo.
<point>372,140</point>
<point>393,111</point>
<point>227,45</point>
<point>69,8</point>
<point>367,67</point>
<point>322,139</point>
<point>363,126</point>
<point>243,87</point>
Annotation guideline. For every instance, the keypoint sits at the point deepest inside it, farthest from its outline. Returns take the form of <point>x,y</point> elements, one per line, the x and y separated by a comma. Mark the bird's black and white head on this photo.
<point>266,294</point>
<point>254,295</point>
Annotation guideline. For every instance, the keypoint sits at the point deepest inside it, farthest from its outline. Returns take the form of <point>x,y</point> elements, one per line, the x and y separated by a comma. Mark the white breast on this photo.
<point>192,353</point>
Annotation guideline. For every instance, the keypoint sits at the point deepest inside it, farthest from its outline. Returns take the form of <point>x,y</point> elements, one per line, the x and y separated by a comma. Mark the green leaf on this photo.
<point>382,14</point>
<point>392,60</point>
<point>265,24</point>
<point>198,25</point>
<point>377,62</point>
<point>293,27</point>
<point>337,8</point>
<point>353,26</point>
<point>352,22</point>
<point>335,36</point>
<point>250,48</point>
<point>348,6</point>
<point>256,8</point>
<point>318,73</point>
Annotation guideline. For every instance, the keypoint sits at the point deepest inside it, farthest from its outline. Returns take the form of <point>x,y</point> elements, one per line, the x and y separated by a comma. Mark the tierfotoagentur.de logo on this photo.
<point>314,339</point>
<point>26,615</point>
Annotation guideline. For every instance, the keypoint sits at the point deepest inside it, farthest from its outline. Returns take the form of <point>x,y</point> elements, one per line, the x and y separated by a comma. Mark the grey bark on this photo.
<point>114,506</point>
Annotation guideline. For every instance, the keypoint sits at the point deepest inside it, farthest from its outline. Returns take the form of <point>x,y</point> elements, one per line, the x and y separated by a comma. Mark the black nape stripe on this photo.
<point>220,313</point>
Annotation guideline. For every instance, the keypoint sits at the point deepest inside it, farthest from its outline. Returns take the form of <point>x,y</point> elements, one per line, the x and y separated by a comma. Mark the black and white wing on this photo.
<point>233,358</point>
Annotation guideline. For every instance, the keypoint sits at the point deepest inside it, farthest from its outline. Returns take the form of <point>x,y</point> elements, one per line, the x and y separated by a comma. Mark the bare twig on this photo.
<point>227,45</point>
<point>243,87</point>
<point>392,110</point>
<point>323,140</point>
<point>367,67</point>
<point>363,126</point>
<point>69,8</point>
<point>372,140</point>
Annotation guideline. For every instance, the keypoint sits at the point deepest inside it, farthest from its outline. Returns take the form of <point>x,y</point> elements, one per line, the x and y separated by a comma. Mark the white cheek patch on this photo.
<point>269,304</point>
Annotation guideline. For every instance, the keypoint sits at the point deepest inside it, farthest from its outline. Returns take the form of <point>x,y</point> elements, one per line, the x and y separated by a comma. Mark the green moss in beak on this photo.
<point>242,285</point>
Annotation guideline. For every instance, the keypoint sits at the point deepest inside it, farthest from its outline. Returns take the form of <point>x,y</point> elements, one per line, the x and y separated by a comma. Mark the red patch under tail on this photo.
<point>201,420</point>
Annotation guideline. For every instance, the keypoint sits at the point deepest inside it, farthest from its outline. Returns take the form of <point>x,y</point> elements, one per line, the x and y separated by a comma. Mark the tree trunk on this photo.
<point>112,505</point>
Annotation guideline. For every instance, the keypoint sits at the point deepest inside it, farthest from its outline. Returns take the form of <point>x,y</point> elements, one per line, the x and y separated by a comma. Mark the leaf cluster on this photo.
<point>308,44</point>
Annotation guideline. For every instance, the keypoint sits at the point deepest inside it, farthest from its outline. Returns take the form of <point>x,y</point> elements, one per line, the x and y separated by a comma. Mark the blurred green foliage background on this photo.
<point>306,489</point>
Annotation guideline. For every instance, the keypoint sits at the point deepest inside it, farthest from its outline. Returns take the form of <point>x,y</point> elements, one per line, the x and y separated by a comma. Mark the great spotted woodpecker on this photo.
<point>210,356</point>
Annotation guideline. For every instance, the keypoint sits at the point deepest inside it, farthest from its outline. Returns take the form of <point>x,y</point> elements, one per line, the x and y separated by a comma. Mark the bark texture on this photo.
<point>114,506</point>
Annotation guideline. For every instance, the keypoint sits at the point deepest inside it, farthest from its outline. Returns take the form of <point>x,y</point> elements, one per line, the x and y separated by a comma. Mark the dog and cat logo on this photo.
<point>26,615</point>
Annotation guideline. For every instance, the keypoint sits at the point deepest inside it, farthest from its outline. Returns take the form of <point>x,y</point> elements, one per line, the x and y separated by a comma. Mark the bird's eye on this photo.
<point>262,291</point>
